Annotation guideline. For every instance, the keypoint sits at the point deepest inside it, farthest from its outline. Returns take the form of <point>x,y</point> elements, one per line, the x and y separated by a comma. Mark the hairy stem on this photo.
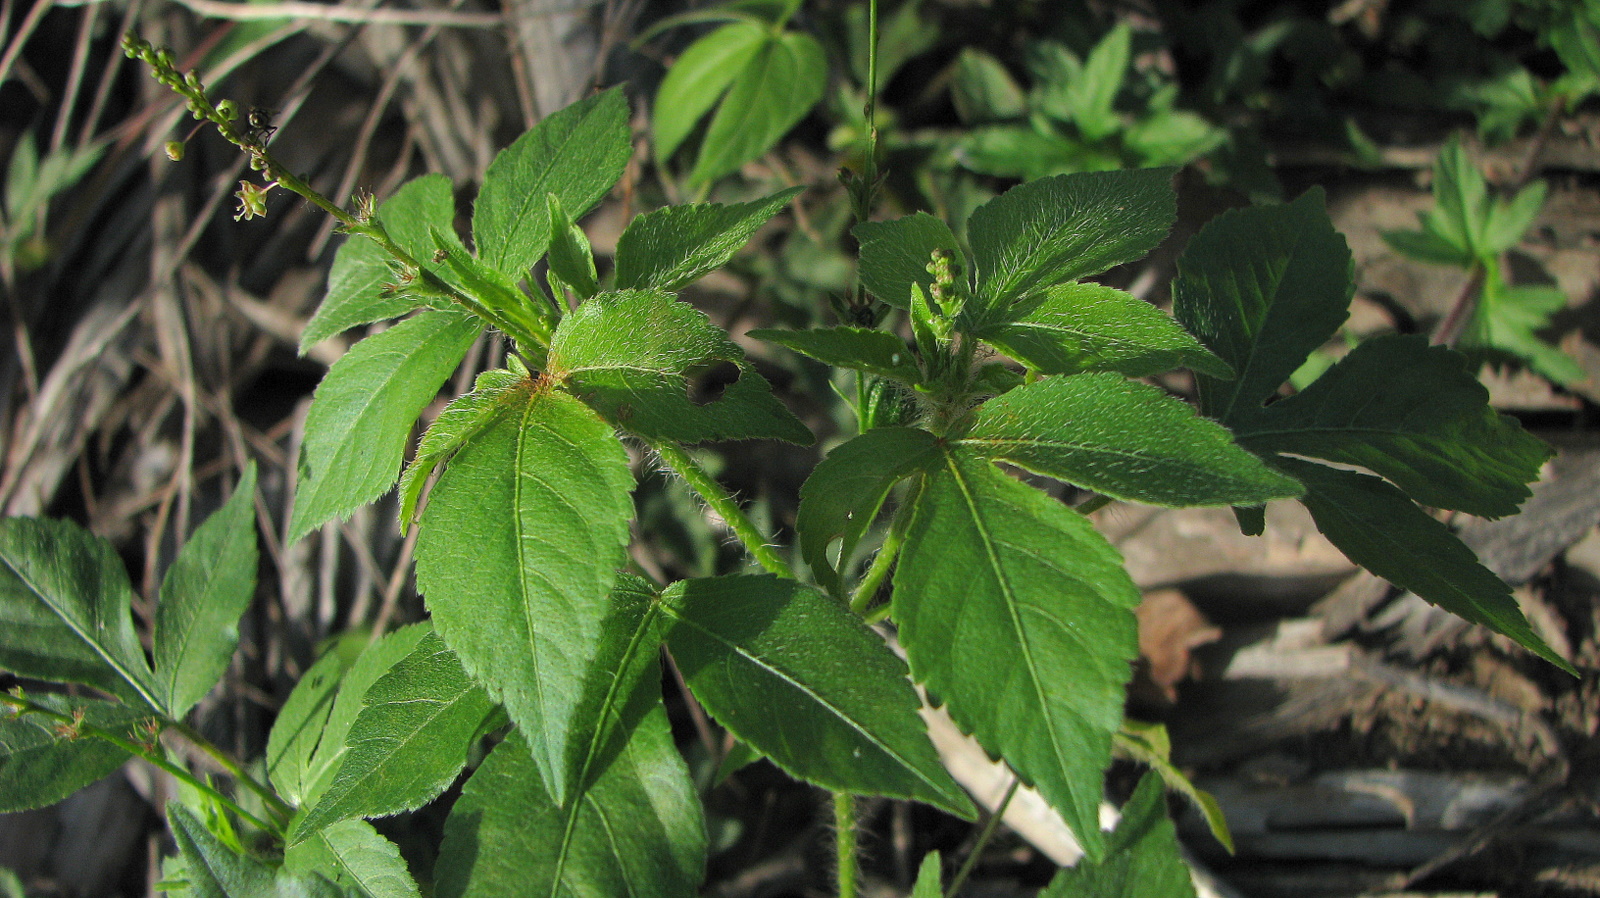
<point>989,828</point>
<point>279,807</point>
<point>844,822</point>
<point>723,503</point>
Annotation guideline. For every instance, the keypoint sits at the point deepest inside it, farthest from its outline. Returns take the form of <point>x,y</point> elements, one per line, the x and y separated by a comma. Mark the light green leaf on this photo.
<point>1142,857</point>
<point>362,413</point>
<point>1414,414</point>
<point>801,679</point>
<point>299,726</point>
<point>1149,744</point>
<point>520,545</point>
<point>1461,200</point>
<point>673,247</point>
<point>1067,227</point>
<point>576,154</point>
<point>39,768</point>
<point>571,258</point>
<point>65,610</point>
<point>1509,319</point>
<point>1019,616</point>
<point>409,741</point>
<point>1377,527</point>
<point>845,490</point>
<point>361,268</point>
<point>492,396</point>
<point>775,89</point>
<point>1091,327</point>
<point>895,255</point>
<point>637,831</point>
<point>698,79</point>
<point>1095,91</point>
<point>211,868</point>
<point>1015,151</point>
<point>1426,246</point>
<point>207,588</point>
<point>927,885</point>
<point>1128,440</point>
<point>872,351</point>
<point>1509,220</point>
<point>632,356</point>
<point>982,90</point>
<point>352,852</point>
<point>1262,287</point>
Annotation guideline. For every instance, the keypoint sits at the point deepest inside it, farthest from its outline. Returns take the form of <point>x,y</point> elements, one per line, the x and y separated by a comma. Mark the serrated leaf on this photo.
<point>1415,415</point>
<point>776,87</point>
<point>577,154</point>
<point>1461,200</point>
<point>873,351</point>
<point>1019,616</point>
<point>207,588</point>
<point>370,666</point>
<point>801,679</point>
<point>65,607</point>
<point>671,248</point>
<point>631,355</point>
<point>698,79</point>
<point>1091,327</point>
<point>1262,287</point>
<point>1125,439</point>
<point>1426,246</point>
<point>1142,857</point>
<point>462,419</point>
<point>39,768</point>
<point>211,868</point>
<point>409,741</point>
<point>636,831</point>
<point>845,490</point>
<point>571,259</point>
<point>895,255</point>
<point>1377,527</point>
<point>1066,228</point>
<point>299,726</point>
<point>520,545</point>
<point>361,268</point>
<point>1509,318</point>
<point>1509,220</point>
<point>355,853</point>
<point>362,413</point>
<point>1149,744</point>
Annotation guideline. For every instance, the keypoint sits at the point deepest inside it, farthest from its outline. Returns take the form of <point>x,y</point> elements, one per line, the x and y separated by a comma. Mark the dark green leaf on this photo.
<point>1414,414</point>
<point>65,610</point>
<point>982,90</point>
<point>698,79</point>
<point>211,868</point>
<point>577,154</point>
<point>775,89</point>
<point>872,351</point>
<point>409,741</point>
<point>361,416</point>
<point>1377,527</point>
<point>1091,327</point>
<point>1262,287</point>
<point>1019,616</point>
<point>895,254</point>
<point>1067,227</point>
<point>298,728</point>
<point>492,396</point>
<point>208,587</point>
<point>520,545</point>
<point>673,247</point>
<point>845,490</point>
<point>636,831</point>
<point>1128,440</point>
<point>351,852</point>
<point>1142,856</point>
<point>571,258</point>
<point>797,676</point>
<point>632,356</point>
<point>38,767</point>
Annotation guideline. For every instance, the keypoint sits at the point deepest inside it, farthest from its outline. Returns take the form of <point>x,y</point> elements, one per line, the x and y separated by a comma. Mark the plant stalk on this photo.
<point>989,828</point>
<point>723,503</point>
<point>844,822</point>
<point>279,807</point>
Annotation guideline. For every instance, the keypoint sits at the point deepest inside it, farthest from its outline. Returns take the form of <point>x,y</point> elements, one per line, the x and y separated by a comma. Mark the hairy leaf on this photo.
<point>409,741</point>
<point>698,79</point>
<point>1128,440</point>
<point>1142,858</point>
<point>895,254</point>
<point>1414,414</point>
<point>1377,527</point>
<point>872,351</point>
<point>39,767</point>
<point>571,258</point>
<point>208,587</point>
<point>211,868</point>
<point>636,831</point>
<point>846,489</point>
<point>1019,616</point>
<point>520,545</point>
<point>299,726</point>
<point>65,610</point>
<point>798,677</point>
<point>576,154</point>
<point>1090,327</point>
<point>673,247</point>
<point>1067,227</point>
<point>352,852</point>
<point>1262,287</point>
<point>776,88</point>
<point>631,355</point>
<point>361,415</point>
<point>492,396</point>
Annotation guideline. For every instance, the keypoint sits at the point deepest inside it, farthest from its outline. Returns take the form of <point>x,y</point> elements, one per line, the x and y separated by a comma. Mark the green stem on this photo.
<point>867,589</point>
<point>989,828</point>
<point>1092,504</point>
<point>844,821</point>
<point>280,808</point>
<point>723,503</point>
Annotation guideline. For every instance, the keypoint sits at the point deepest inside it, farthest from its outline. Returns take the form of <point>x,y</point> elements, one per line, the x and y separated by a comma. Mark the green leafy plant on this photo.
<point>544,649</point>
<point>1470,228</point>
